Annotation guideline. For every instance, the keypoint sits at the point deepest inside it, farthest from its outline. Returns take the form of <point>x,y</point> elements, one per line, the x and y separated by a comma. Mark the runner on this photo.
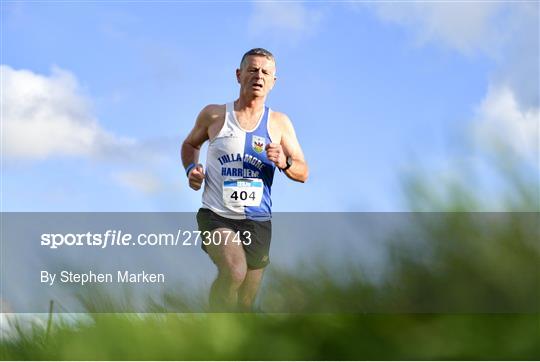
<point>247,141</point>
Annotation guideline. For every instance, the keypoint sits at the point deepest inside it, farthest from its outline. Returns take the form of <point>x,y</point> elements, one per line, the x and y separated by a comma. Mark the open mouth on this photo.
<point>257,86</point>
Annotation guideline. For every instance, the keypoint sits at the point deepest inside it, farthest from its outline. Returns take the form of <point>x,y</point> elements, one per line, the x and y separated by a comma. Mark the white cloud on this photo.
<point>465,26</point>
<point>290,21</point>
<point>501,122</point>
<point>138,181</point>
<point>519,67</point>
<point>46,116</point>
<point>506,32</point>
<point>509,114</point>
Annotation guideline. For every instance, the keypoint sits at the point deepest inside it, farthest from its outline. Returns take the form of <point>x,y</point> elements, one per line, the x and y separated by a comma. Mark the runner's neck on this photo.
<point>248,115</point>
<point>249,106</point>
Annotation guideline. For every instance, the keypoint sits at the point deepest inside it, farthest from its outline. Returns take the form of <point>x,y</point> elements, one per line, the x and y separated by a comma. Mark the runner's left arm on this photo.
<point>299,170</point>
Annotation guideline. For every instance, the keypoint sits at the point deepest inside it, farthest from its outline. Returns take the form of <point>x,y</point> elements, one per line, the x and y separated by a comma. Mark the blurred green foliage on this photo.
<point>284,337</point>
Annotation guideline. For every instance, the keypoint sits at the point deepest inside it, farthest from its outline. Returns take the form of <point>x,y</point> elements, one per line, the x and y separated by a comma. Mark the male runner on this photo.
<point>247,141</point>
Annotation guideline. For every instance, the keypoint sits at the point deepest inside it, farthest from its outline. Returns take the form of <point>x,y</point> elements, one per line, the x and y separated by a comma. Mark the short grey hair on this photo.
<point>257,51</point>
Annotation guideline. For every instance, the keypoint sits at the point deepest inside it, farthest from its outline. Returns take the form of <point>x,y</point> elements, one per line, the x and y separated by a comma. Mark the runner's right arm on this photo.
<point>192,146</point>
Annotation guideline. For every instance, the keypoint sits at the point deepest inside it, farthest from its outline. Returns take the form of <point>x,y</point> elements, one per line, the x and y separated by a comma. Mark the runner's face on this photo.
<point>257,76</point>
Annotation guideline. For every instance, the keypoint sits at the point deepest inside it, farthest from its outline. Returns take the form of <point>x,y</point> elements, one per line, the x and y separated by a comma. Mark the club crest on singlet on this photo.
<point>258,144</point>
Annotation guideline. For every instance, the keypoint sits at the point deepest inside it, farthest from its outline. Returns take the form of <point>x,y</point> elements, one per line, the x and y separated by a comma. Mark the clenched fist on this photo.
<point>274,152</point>
<point>196,177</point>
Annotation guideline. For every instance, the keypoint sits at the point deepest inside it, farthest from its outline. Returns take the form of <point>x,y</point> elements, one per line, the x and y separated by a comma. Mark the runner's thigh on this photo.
<point>223,251</point>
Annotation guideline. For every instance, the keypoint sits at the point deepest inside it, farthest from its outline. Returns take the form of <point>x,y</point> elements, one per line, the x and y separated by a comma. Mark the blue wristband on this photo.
<point>190,167</point>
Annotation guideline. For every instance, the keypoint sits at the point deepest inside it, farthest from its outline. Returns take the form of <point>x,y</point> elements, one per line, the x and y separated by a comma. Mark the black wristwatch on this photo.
<point>289,164</point>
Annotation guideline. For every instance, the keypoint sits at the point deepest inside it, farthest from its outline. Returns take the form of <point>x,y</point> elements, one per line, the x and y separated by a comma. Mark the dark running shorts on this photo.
<point>257,252</point>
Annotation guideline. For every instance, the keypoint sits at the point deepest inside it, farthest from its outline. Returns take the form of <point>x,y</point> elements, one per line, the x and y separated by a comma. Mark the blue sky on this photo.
<point>97,97</point>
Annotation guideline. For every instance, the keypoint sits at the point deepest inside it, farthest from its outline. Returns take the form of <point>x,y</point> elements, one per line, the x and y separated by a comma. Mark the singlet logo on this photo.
<point>258,144</point>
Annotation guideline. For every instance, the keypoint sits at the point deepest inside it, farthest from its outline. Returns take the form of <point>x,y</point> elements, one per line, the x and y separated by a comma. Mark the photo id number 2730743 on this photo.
<point>223,237</point>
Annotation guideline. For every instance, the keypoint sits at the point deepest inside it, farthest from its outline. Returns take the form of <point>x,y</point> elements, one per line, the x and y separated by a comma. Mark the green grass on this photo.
<point>285,337</point>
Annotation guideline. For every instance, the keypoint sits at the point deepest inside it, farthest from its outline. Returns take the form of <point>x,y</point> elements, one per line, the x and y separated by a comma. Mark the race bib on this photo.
<point>243,192</point>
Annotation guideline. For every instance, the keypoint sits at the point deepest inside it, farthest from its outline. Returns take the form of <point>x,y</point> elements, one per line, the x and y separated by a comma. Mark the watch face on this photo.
<point>289,161</point>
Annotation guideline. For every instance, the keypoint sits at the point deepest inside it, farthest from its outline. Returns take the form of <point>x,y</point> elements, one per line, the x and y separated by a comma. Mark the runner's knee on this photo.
<point>234,272</point>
